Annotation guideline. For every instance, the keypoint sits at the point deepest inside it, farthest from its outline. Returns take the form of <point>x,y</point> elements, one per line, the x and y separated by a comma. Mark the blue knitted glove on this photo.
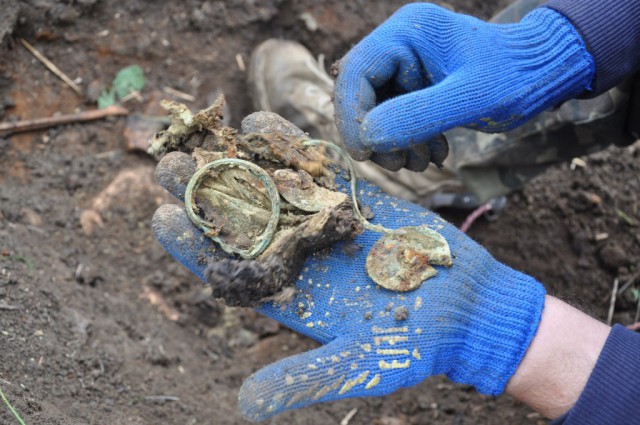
<point>454,70</point>
<point>473,321</point>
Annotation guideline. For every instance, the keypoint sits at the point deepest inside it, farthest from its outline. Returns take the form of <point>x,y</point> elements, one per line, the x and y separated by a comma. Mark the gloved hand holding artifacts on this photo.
<point>394,300</point>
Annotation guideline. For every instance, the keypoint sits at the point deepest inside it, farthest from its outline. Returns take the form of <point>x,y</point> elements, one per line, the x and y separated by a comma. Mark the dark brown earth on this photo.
<point>98,325</point>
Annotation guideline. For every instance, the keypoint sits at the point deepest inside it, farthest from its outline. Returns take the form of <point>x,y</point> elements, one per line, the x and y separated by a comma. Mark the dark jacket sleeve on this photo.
<point>612,393</point>
<point>633,116</point>
<point>611,30</point>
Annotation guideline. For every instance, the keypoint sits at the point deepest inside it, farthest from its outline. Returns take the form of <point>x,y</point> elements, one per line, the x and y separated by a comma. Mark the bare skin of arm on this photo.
<point>559,360</point>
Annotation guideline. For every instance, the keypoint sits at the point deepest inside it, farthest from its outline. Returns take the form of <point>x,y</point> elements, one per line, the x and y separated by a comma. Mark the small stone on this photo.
<point>139,130</point>
<point>449,409</point>
<point>64,15</point>
<point>401,313</point>
<point>8,102</point>
<point>424,402</point>
<point>613,256</point>
<point>32,217</point>
<point>93,92</point>
<point>577,163</point>
<point>243,338</point>
<point>367,212</point>
<point>388,420</point>
<point>268,122</point>
<point>157,356</point>
<point>368,315</point>
<point>89,221</point>
<point>592,198</point>
<point>265,326</point>
<point>310,21</point>
<point>85,274</point>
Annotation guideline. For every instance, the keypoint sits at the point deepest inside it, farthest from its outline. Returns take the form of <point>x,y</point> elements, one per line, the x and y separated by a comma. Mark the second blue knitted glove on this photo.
<point>454,70</point>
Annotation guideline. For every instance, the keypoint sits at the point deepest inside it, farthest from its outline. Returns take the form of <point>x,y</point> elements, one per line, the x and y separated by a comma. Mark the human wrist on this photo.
<point>506,308</point>
<point>560,359</point>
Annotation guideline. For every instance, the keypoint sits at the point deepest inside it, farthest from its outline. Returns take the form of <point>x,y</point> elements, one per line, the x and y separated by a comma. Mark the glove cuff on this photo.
<point>565,68</point>
<point>506,312</point>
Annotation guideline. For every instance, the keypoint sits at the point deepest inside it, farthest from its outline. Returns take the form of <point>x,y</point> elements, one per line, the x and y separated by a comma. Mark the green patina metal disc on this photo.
<point>403,259</point>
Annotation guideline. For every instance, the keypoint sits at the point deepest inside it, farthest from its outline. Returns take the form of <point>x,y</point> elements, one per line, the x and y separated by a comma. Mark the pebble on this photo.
<point>401,313</point>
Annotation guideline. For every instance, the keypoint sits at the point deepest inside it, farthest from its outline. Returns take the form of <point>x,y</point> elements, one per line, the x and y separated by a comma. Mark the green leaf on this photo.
<point>107,98</point>
<point>128,80</point>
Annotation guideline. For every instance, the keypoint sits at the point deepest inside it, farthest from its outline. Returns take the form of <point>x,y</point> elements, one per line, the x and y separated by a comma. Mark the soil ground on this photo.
<point>98,325</point>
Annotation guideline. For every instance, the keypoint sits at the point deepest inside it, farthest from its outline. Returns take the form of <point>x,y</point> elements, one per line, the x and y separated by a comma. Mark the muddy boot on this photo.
<point>286,79</point>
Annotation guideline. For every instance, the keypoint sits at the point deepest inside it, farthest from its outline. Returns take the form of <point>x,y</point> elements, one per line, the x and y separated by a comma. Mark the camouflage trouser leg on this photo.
<point>491,165</point>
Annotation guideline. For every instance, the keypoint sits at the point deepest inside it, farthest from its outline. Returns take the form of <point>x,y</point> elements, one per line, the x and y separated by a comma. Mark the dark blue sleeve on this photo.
<point>611,30</point>
<point>612,393</point>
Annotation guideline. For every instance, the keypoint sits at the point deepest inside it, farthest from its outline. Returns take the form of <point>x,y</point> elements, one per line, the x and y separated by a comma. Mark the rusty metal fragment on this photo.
<point>402,259</point>
<point>299,189</point>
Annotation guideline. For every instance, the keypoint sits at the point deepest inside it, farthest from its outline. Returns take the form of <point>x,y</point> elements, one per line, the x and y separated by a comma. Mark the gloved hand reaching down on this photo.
<point>427,70</point>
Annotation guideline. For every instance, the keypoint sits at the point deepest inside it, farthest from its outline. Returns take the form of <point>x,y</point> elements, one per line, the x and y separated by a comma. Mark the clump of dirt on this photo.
<point>235,198</point>
<point>8,20</point>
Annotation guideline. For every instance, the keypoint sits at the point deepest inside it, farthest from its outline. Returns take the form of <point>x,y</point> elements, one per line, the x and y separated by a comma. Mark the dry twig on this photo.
<point>637,318</point>
<point>179,94</point>
<point>240,61</point>
<point>133,95</point>
<point>8,128</point>
<point>156,299</point>
<point>162,398</point>
<point>51,66</point>
<point>612,305</point>
<point>347,418</point>
<point>632,280</point>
